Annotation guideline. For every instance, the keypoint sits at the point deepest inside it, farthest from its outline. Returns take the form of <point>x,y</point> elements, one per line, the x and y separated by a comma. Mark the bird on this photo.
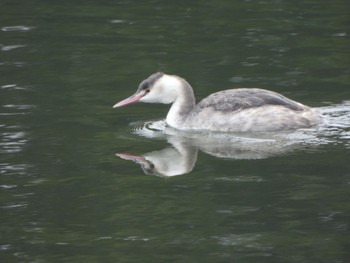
<point>232,110</point>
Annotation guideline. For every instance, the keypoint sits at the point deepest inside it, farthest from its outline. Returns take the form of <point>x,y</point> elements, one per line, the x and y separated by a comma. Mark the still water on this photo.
<point>67,197</point>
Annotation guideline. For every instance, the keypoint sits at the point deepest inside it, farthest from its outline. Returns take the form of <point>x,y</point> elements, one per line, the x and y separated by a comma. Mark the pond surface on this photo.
<point>70,188</point>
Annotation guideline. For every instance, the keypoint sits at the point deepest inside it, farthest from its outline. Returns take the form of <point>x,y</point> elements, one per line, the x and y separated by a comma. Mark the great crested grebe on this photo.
<point>234,110</point>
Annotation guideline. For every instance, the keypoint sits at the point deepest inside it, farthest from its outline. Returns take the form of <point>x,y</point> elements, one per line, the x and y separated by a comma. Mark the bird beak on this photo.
<point>132,99</point>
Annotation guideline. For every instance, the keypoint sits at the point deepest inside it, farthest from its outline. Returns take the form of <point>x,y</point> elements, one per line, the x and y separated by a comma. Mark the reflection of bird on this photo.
<point>181,157</point>
<point>235,110</point>
<point>171,161</point>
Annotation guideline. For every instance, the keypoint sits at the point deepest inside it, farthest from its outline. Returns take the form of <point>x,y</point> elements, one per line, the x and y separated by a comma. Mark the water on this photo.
<point>67,197</point>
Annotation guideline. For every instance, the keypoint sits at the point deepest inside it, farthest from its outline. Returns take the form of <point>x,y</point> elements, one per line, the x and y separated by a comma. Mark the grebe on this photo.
<point>234,110</point>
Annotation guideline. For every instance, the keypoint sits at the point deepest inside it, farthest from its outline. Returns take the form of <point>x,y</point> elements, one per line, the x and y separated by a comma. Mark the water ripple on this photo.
<point>17,169</point>
<point>12,87</point>
<point>19,107</point>
<point>11,47</point>
<point>13,142</point>
<point>20,28</point>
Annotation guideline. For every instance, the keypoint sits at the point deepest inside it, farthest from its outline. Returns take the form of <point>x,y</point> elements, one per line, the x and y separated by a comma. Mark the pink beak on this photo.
<point>132,99</point>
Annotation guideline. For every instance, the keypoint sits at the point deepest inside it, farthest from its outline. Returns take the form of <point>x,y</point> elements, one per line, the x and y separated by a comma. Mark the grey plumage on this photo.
<point>239,99</point>
<point>149,82</point>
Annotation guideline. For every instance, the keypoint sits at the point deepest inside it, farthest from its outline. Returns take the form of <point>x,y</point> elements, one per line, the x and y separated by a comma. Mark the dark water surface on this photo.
<point>66,197</point>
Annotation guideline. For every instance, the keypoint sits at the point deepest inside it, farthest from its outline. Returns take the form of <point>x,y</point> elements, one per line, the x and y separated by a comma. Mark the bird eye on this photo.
<point>147,90</point>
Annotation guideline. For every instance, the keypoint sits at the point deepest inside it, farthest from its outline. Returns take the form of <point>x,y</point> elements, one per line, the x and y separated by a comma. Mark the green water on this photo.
<point>66,197</point>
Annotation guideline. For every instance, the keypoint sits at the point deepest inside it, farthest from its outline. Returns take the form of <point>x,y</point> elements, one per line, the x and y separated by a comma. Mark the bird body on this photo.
<point>233,110</point>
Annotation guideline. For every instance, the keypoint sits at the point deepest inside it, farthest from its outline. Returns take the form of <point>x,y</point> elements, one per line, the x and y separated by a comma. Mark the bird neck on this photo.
<point>182,106</point>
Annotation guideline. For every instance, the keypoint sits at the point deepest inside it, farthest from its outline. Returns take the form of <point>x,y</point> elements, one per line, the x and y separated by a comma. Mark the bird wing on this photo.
<point>238,99</point>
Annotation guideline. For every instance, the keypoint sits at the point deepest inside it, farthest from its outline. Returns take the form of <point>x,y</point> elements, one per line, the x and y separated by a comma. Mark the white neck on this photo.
<point>183,104</point>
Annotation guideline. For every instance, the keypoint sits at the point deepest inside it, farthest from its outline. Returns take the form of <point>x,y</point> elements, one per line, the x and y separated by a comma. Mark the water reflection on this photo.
<point>180,157</point>
<point>176,160</point>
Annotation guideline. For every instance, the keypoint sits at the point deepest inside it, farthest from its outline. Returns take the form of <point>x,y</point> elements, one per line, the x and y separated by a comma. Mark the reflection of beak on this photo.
<point>146,165</point>
<point>132,99</point>
<point>132,157</point>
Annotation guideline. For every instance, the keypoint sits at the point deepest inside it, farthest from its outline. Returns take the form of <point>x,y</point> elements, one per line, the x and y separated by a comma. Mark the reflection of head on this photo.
<point>167,162</point>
